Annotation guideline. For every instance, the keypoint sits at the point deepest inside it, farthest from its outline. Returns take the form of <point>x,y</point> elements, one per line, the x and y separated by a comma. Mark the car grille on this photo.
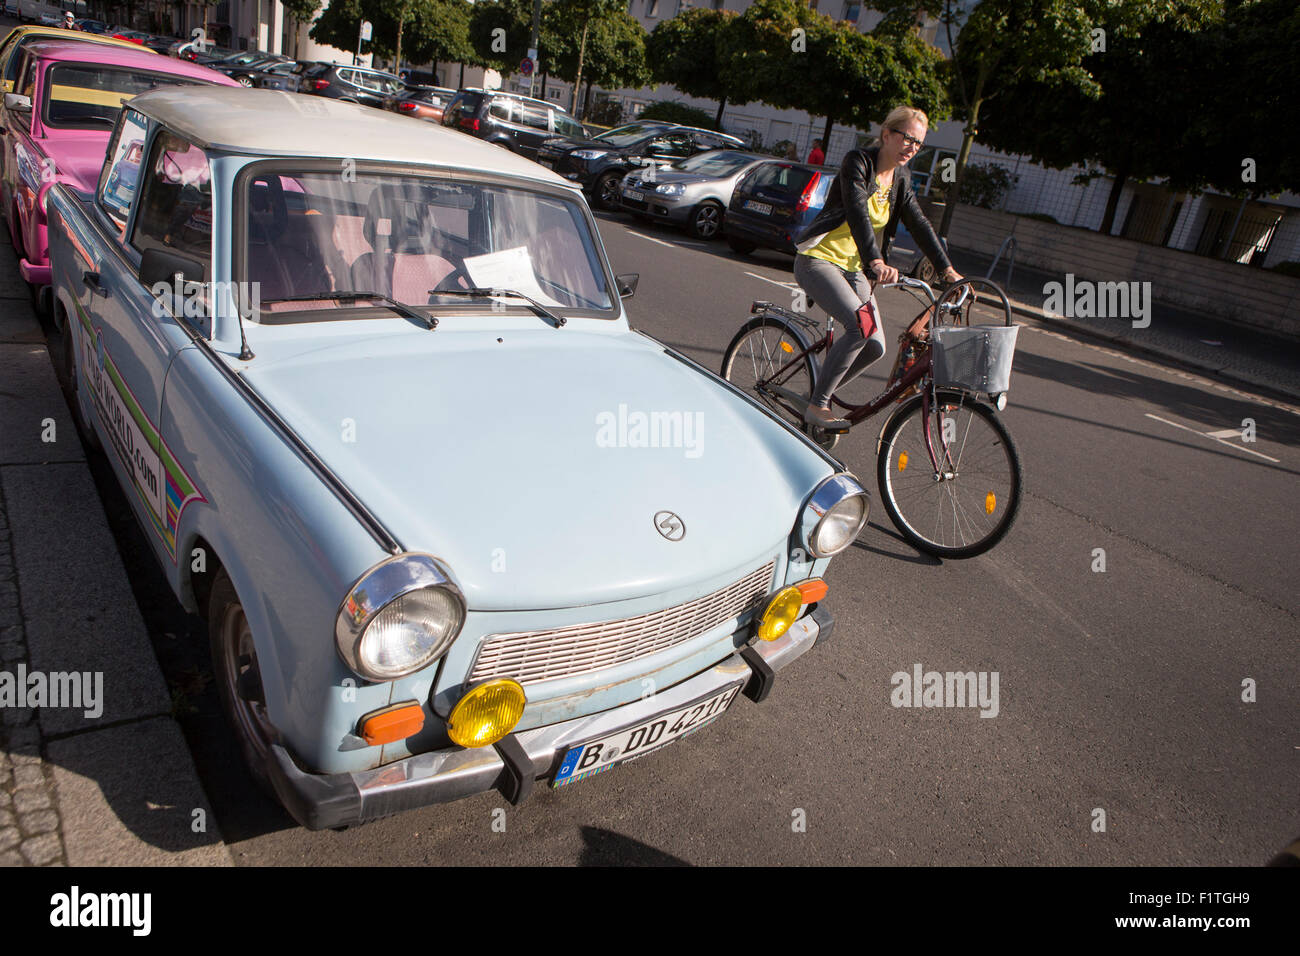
<point>534,656</point>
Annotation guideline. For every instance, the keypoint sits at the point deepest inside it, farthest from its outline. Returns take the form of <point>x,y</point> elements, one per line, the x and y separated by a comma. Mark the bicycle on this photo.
<point>968,498</point>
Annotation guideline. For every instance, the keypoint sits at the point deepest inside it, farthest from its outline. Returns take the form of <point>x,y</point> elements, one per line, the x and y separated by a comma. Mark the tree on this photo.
<point>438,29</point>
<point>688,51</point>
<point>584,16</point>
<point>302,12</point>
<point>610,50</point>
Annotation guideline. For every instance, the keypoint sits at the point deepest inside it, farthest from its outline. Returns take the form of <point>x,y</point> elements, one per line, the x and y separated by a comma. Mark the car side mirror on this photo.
<point>627,284</point>
<point>18,103</point>
<point>163,265</point>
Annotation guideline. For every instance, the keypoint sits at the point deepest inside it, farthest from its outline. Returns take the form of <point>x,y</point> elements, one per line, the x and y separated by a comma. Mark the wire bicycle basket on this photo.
<point>976,358</point>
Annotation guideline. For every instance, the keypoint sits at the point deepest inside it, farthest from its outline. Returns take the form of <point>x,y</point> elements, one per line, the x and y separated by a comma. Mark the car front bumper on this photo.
<point>514,764</point>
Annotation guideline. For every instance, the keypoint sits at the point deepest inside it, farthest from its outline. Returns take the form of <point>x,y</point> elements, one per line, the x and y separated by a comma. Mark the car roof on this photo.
<point>277,123</point>
<point>77,51</point>
<point>59,33</point>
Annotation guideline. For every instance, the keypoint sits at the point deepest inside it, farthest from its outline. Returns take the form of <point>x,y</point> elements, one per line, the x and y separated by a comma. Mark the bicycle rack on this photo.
<point>1008,245</point>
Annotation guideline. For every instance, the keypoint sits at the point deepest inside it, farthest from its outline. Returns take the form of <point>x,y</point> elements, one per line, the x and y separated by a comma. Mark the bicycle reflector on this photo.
<point>834,515</point>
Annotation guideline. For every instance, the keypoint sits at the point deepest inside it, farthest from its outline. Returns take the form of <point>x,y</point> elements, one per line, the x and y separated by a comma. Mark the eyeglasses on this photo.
<point>909,140</point>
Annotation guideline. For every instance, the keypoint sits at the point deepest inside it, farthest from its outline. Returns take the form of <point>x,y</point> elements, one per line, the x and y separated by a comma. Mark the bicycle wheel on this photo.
<point>966,508</point>
<point>762,347</point>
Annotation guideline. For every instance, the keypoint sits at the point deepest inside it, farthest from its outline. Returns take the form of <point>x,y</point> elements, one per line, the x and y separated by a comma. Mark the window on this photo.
<point>86,96</point>
<point>120,175</point>
<point>718,4</point>
<point>566,125</point>
<point>536,117</point>
<point>652,8</point>
<point>672,144</point>
<point>851,12</point>
<point>500,109</point>
<point>176,201</point>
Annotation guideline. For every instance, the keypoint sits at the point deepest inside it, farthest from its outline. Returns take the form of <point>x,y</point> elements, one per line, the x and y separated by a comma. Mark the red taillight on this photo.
<point>406,107</point>
<point>806,196</point>
<point>469,122</point>
<point>319,84</point>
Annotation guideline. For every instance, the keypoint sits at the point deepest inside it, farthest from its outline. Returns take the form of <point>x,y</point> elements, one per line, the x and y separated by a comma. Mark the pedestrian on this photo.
<point>817,156</point>
<point>854,229</point>
<point>791,151</point>
<point>69,23</point>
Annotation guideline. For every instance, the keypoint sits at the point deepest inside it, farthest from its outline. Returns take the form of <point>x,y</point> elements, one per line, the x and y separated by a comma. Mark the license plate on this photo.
<point>596,756</point>
<point>633,195</point>
<point>547,163</point>
<point>759,207</point>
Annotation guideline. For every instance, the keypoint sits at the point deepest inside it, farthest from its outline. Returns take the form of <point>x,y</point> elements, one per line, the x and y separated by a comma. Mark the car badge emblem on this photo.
<point>670,526</point>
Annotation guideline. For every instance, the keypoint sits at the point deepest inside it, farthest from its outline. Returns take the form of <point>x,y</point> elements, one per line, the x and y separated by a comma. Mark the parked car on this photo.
<point>774,202</point>
<point>20,37</point>
<point>693,193</point>
<point>92,26</point>
<point>517,123</point>
<point>421,102</point>
<point>57,124</point>
<point>279,74</point>
<point>600,162</point>
<point>199,53</point>
<point>352,84</point>
<point>390,626</point>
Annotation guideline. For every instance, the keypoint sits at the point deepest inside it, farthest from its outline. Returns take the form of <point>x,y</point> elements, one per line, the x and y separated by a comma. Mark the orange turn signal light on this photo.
<point>392,723</point>
<point>812,590</point>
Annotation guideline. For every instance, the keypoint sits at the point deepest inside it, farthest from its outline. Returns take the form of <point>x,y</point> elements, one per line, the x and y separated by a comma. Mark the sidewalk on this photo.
<point>80,788</point>
<point>1243,357</point>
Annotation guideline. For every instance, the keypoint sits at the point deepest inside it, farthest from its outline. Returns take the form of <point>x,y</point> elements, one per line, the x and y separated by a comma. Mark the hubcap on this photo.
<point>706,221</point>
<point>241,668</point>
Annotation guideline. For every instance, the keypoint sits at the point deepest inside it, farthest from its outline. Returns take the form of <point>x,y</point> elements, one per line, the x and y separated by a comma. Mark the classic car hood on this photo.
<point>525,460</point>
<point>78,155</point>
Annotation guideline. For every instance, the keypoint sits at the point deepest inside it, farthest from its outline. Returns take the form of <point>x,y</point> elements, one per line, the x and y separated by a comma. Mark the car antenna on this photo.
<point>245,353</point>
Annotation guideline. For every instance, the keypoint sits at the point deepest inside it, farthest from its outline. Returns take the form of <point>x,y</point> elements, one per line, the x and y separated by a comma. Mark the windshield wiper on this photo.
<point>405,311</point>
<point>477,293</point>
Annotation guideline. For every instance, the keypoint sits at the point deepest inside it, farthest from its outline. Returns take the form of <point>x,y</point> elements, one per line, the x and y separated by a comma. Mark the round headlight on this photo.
<point>400,617</point>
<point>487,713</point>
<point>780,613</point>
<point>835,514</point>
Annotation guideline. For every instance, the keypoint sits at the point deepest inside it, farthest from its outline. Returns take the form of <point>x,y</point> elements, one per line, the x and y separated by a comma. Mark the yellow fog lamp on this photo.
<point>781,612</point>
<point>487,713</point>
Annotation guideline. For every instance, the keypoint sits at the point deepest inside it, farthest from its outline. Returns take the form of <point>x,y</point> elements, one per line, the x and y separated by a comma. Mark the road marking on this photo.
<point>784,285</point>
<point>1225,433</point>
<point>1213,435</point>
<point>670,245</point>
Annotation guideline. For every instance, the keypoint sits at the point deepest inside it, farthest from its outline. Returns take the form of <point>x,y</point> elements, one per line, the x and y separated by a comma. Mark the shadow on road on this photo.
<point>601,847</point>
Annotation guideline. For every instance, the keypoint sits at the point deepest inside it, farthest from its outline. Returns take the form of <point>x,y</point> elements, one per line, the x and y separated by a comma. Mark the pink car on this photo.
<point>56,125</point>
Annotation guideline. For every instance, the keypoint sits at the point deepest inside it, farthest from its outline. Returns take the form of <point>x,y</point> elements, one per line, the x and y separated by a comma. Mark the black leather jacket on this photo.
<point>855,184</point>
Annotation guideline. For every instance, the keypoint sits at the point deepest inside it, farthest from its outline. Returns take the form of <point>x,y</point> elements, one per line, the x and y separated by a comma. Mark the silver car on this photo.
<point>693,192</point>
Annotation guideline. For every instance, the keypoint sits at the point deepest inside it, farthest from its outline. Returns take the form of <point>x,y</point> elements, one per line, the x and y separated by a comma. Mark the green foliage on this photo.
<point>301,10</point>
<point>606,111</point>
<point>431,29</point>
<point>614,55</point>
<point>984,185</point>
<point>675,111</point>
<point>688,51</point>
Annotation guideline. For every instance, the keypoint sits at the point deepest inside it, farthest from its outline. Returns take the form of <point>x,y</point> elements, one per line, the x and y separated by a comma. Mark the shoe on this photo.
<point>824,418</point>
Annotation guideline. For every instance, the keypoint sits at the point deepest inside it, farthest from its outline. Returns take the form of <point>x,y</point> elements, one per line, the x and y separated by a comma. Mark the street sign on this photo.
<point>526,66</point>
<point>532,53</point>
<point>366,29</point>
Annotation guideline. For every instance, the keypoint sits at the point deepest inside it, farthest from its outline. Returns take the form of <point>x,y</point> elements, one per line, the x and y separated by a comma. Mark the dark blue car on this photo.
<point>774,202</point>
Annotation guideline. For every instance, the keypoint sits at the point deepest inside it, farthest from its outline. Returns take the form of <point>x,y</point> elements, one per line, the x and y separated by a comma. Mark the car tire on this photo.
<point>607,190</point>
<point>743,246</point>
<point>244,80</point>
<point>706,220</point>
<point>234,665</point>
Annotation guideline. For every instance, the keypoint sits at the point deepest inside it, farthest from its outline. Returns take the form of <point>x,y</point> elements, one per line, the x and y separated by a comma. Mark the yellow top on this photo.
<point>837,246</point>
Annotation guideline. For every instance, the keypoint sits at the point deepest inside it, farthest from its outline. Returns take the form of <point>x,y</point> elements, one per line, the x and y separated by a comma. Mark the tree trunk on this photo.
<point>544,77</point>
<point>586,101</point>
<point>967,141</point>
<point>577,81</point>
<point>461,85</point>
<point>1112,201</point>
<point>717,120</point>
<point>401,23</point>
<point>826,136</point>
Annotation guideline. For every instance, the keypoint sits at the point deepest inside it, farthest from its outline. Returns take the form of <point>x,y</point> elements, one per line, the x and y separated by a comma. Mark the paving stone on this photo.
<point>38,851</point>
<point>9,838</point>
<point>7,819</point>
<point>29,775</point>
<point>42,821</point>
<point>27,801</point>
<point>10,858</point>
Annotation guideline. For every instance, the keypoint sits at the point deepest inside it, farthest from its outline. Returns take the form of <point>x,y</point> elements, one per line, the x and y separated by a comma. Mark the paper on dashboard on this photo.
<point>507,269</point>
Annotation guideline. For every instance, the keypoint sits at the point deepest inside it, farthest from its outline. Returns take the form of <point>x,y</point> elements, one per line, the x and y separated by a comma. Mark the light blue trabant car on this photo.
<point>454,525</point>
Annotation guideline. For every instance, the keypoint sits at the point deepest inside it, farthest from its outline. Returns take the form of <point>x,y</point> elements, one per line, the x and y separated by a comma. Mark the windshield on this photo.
<point>719,163</point>
<point>627,135</point>
<point>309,235</point>
<point>90,96</point>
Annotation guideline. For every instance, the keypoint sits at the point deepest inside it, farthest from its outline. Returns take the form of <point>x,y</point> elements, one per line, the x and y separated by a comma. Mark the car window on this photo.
<point>85,96</point>
<point>176,201</point>
<point>626,135</point>
<point>672,144</point>
<point>16,59</point>
<point>533,116</point>
<point>714,163</point>
<point>121,174</point>
<point>501,109</point>
<point>567,126</point>
<point>314,233</point>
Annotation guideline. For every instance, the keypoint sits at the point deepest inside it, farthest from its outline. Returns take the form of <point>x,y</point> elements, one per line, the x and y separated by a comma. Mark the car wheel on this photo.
<point>743,246</point>
<point>706,220</point>
<point>244,80</point>
<point>239,680</point>
<point>607,190</point>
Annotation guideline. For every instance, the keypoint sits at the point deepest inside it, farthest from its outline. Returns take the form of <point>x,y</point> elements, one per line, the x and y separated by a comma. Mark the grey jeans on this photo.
<point>841,294</point>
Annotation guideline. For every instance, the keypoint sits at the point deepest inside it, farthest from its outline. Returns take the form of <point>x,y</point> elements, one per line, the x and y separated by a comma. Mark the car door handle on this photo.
<point>91,279</point>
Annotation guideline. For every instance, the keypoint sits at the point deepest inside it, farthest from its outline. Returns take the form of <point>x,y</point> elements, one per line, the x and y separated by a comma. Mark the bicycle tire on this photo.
<point>993,457</point>
<point>754,355</point>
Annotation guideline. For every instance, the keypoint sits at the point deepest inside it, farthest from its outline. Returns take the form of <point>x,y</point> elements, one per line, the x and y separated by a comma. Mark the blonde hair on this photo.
<point>901,114</point>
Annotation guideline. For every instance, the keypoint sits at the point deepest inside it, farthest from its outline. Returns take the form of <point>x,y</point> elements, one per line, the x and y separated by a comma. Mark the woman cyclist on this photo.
<point>855,227</point>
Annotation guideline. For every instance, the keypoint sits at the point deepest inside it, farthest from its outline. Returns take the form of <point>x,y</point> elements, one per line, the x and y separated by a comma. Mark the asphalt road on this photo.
<point>1120,691</point>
